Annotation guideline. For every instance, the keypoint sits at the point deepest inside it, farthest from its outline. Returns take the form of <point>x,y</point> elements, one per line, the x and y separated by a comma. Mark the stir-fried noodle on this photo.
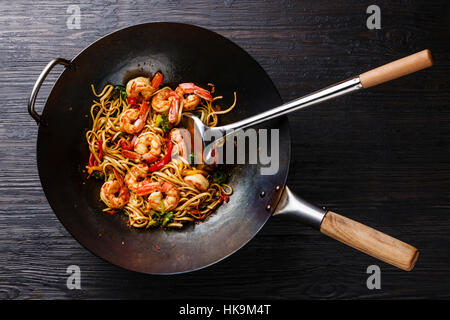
<point>133,140</point>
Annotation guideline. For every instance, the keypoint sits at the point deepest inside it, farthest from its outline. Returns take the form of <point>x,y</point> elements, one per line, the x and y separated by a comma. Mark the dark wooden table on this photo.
<point>380,156</point>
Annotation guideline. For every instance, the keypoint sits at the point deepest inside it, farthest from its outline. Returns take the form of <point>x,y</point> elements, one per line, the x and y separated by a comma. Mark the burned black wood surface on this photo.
<point>380,156</point>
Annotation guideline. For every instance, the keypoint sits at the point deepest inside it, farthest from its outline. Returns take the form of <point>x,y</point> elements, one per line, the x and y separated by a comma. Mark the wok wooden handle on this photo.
<point>397,69</point>
<point>369,241</point>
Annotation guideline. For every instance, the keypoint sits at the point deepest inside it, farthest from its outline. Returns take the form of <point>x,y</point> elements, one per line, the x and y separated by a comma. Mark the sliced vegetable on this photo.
<point>158,214</point>
<point>163,207</point>
<point>131,101</point>
<point>91,160</point>
<point>100,149</point>
<point>162,121</point>
<point>191,158</point>
<point>167,217</point>
<point>224,197</point>
<point>164,160</point>
<point>121,91</point>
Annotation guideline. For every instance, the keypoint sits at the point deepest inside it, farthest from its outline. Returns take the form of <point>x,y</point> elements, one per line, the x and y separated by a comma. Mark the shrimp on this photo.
<point>114,193</point>
<point>133,120</point>
<point>142,87</point>
<point>198,181</point>
<point>167,101</point>
<point>161,193</point>
<point>137,177</point>
<point>178,135</point>
<point>195,93</point>
<point>147,147</point>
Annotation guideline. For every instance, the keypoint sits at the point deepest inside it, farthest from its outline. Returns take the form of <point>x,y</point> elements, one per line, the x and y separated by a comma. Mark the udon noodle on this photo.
<point>136,149</point>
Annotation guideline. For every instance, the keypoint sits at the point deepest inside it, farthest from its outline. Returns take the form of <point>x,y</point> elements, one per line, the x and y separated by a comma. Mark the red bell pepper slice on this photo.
<point>92,160</point>
<point>224,197</point>
<point>131,101</point>
<point>165,160</point>
<point>100,149</point>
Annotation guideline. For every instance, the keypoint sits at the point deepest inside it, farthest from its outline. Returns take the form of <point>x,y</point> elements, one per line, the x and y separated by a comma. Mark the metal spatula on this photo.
<point>387,72</point>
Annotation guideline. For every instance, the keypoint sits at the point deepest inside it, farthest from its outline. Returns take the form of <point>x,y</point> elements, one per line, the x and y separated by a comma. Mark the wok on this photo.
<point>179,52</point>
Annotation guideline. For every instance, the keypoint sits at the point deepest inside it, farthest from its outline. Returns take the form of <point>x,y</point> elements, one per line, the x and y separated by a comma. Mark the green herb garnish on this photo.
<point>219,176</point>
<point>120,91</point>
<point>191,158</point>
<point>163,207</point>
<point>162,121</point>
<point>167,217</point>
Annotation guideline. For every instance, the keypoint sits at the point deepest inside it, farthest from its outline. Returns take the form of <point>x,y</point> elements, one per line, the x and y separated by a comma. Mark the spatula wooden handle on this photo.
<point>397,69</point>
<point>369,241</point>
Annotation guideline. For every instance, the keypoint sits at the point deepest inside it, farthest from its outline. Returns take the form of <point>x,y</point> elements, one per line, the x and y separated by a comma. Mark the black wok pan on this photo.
<point>179,52</point>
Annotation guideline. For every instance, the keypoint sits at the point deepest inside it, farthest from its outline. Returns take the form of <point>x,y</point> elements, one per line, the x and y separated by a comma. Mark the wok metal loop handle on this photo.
<point>38,84</point>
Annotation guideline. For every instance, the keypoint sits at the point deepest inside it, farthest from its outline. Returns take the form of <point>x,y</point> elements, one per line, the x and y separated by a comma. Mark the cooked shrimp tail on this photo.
<point>190,87</point>
<point>174,107</point>
<point>157,80</point>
